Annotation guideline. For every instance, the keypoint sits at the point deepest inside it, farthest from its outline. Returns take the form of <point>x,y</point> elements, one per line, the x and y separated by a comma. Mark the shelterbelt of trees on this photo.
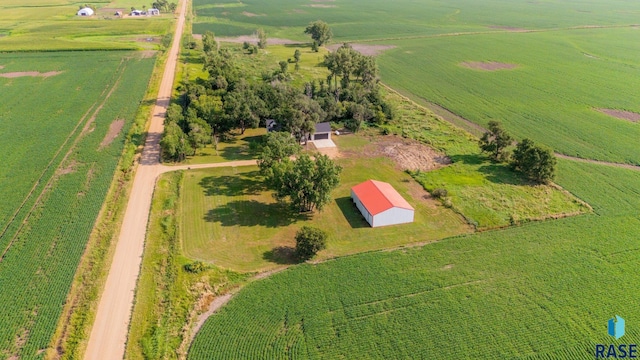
<point>209,109</point>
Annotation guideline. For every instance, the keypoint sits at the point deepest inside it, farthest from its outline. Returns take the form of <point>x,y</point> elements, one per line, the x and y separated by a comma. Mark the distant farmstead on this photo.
<point>381,204</point>
<point>85,12</point>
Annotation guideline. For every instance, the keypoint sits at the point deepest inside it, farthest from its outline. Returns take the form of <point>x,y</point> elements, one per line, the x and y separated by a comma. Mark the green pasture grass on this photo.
<point>379,19</point>
<point>539,291</point>
<point>47,236</point>
<point>552,96</point>
<point>231,220</point>
<point>166,293</point>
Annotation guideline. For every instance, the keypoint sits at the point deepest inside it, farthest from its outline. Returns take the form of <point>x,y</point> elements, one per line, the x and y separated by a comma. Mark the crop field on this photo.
<point>36,25</point>
<point>229,219</point>
<point>553,95</point>
<point>483,295</point>
<point>380,19</point>
<point>63,134</point>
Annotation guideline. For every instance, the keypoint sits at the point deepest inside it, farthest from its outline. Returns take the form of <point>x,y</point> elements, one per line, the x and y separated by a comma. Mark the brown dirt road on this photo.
<point>109,333</point>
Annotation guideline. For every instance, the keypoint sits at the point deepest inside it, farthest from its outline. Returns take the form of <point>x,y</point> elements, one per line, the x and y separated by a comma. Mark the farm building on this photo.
<point>272,125</point>
<point>85,12</point>
<point>153,11</point>
<point>137,13</point>
<point>323,132</point>
<point>381,204</point>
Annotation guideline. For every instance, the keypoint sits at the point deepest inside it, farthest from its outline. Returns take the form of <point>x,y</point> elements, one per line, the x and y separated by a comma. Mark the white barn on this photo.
<point>85,12</point>
<point>381,204</point>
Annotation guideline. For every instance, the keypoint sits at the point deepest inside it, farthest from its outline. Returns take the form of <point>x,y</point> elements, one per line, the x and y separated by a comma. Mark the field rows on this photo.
<point>40,264</point>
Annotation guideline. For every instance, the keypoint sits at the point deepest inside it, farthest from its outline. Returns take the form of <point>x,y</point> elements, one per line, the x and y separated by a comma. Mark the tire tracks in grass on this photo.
<point>107,92</point>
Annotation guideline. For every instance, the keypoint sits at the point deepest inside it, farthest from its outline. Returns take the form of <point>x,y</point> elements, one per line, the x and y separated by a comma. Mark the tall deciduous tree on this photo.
<point>262,38</point>
<point>495,141</point>
<point>536,162</point>
<point>209,43</point>
<point>278,146</point>
<point>309,241</point>
<point>244,106</point>
<point>319,31</point>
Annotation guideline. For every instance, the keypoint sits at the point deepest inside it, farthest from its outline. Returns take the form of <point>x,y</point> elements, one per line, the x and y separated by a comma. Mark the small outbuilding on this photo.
<point>137,13</point>
<point>381,204</point>
<point>153,11</point>
<point>322,132</point>
<point>85,12</point>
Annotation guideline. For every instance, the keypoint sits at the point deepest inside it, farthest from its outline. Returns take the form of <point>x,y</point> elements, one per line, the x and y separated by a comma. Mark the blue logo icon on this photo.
<point>616,327</point>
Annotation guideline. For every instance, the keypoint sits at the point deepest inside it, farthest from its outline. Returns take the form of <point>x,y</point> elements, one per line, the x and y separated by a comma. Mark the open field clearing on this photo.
<point>553,96</point>
<point>379,19</point>
<point>229,219</point>
<point>62,139</point>
<point>53,25</point>
<point>483,295</point>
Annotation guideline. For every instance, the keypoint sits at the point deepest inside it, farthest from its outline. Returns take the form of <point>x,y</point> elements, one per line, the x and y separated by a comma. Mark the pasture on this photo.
<point>63,135</point>
<point>539,291</point>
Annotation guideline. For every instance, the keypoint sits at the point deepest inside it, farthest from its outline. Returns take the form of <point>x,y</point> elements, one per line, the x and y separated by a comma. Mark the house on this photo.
<point>381,204</point>
<point>272,125</point>
<point>323,132</point>
<point>136,13</point>
<point>85,12</point>
<point>153,11</point>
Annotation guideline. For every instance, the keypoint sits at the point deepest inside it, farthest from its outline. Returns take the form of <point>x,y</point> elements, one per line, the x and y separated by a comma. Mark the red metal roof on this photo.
<point>378,196</point>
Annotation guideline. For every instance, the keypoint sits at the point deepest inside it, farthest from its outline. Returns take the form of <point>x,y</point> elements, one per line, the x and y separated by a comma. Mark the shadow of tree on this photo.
<point>502,174</point>
<point>254,213</point>
<point>283,255</point>
<point>351,212</point>
<point>250,183</point>
<point>469,159</point>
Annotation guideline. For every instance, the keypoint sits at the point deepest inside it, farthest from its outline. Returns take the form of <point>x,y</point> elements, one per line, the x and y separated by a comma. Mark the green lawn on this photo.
<point>235,147</point>
<point>231,220</point>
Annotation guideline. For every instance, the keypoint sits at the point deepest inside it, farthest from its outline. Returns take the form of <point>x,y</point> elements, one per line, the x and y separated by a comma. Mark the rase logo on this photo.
<point>615,328</point>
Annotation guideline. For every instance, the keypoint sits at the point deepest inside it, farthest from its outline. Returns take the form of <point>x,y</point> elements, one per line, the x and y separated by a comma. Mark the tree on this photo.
<point>309,241</point>
<point>244,107</point>
<point>535,162</point>
<point>209,43</point>
<point>314,46</point>
<point>262,38</point>
<point>277,147</point>
<point>495,141</point>
<point>284,66</point>
<point>175,144</point>
<point>319,31</point>
<point>296,55</point>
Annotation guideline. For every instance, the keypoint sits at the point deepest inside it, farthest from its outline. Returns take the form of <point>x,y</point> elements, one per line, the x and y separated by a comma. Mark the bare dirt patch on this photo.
<point>248,14</point>
<point>298,11</point>
<point>508,28</point>
<point>622,114</point>
<point>253,40</point>
<point>1,67</point>
<point>488,66</point>
<point>364,49</point>
<point>146,54</point>
<point>17,74</point>
<point>321,6</point>
<point>68,169</point>
<point>114,130</point>
<point>409,154</point>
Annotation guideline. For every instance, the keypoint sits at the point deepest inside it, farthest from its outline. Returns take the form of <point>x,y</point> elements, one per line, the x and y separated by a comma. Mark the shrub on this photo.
<point>439,193</point>
<point>309,241</point>
<point>195,267</point>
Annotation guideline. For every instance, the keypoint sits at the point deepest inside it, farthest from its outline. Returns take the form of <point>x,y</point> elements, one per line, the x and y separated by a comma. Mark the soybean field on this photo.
<point>63,121</point>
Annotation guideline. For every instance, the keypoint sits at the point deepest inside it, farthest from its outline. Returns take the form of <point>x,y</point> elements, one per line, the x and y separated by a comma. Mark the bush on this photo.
<point>309,241</point>
<point>195,267</point>
<point>439,193</point>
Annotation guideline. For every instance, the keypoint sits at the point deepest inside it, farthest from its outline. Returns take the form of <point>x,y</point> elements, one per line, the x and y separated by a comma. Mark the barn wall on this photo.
<point>393,216</point>
<point>362,209</point>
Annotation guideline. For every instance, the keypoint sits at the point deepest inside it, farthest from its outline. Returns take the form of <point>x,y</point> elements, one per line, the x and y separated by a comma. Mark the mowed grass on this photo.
<point>377,19</point>
<point>230,219</point>
<point>235,146</point>
<point>553,95</point>
<point>540,291</point>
